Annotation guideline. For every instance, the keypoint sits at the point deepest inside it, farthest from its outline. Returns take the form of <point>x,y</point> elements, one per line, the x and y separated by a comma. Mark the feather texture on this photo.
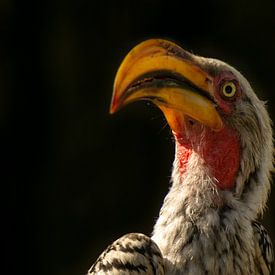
<point>202,228</point>
<point>131,254</point>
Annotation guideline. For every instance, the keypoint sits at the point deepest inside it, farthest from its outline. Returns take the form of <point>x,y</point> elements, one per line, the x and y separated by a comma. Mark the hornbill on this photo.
<point>221,173</point>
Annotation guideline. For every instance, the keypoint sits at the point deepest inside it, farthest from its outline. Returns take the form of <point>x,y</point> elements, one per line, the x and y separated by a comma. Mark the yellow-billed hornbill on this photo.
<point>221,172</point>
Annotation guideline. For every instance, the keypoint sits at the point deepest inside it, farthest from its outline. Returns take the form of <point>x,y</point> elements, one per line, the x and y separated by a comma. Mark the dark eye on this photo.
<point>228,90</point>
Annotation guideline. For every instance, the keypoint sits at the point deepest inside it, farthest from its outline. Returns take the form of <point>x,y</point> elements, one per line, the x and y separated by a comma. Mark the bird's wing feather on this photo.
<point>133,253</point>
<point>264,249</point>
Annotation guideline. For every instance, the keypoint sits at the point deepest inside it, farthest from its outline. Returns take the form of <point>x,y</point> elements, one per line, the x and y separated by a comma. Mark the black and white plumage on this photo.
<point>264,249</point>
<point>133,253</point>
<point>207,224</point>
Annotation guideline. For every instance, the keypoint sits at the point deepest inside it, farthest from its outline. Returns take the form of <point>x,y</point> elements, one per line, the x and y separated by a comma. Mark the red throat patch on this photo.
<point>220,151</point>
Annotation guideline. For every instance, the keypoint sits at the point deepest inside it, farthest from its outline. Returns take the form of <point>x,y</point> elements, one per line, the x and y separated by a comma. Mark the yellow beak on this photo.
<point>162,72</point>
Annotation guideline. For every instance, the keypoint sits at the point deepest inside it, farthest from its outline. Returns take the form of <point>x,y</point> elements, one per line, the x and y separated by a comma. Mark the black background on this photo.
<point>78,178</point>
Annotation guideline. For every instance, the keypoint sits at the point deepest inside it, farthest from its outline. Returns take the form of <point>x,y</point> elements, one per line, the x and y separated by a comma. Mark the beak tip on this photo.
<point>114,107</point>
<point>114,104</point>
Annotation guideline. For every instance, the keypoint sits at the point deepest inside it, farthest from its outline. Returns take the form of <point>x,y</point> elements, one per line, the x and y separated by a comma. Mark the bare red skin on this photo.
<point>219,150</point>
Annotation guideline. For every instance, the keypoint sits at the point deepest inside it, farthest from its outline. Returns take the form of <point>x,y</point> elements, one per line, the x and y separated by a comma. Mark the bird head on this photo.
<point>212,111</point>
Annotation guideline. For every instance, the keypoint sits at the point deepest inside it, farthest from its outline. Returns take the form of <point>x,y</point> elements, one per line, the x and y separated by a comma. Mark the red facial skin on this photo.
<point>219,150</point>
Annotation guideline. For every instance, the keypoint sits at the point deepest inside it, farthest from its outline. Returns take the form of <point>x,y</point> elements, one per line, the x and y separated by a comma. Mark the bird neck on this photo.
<point>218,151</point>
<point>194,211</point>
<point>199,183</point>
<point>194,191</point>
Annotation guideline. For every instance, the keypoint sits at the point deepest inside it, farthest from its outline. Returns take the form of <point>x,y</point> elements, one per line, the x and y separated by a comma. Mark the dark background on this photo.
<point>78,178</point>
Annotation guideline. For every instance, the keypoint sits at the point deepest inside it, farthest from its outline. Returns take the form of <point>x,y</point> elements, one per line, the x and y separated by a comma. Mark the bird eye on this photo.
<point>229,90</point>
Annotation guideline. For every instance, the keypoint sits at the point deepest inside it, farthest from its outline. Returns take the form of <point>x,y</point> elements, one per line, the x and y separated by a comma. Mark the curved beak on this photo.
<point>165,74</point>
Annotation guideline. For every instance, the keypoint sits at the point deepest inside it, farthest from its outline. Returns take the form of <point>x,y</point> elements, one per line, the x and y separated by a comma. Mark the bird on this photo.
<point>221,175</point>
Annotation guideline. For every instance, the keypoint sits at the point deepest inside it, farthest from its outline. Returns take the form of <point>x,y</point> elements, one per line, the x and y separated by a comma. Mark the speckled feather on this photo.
<point>133,253</point>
